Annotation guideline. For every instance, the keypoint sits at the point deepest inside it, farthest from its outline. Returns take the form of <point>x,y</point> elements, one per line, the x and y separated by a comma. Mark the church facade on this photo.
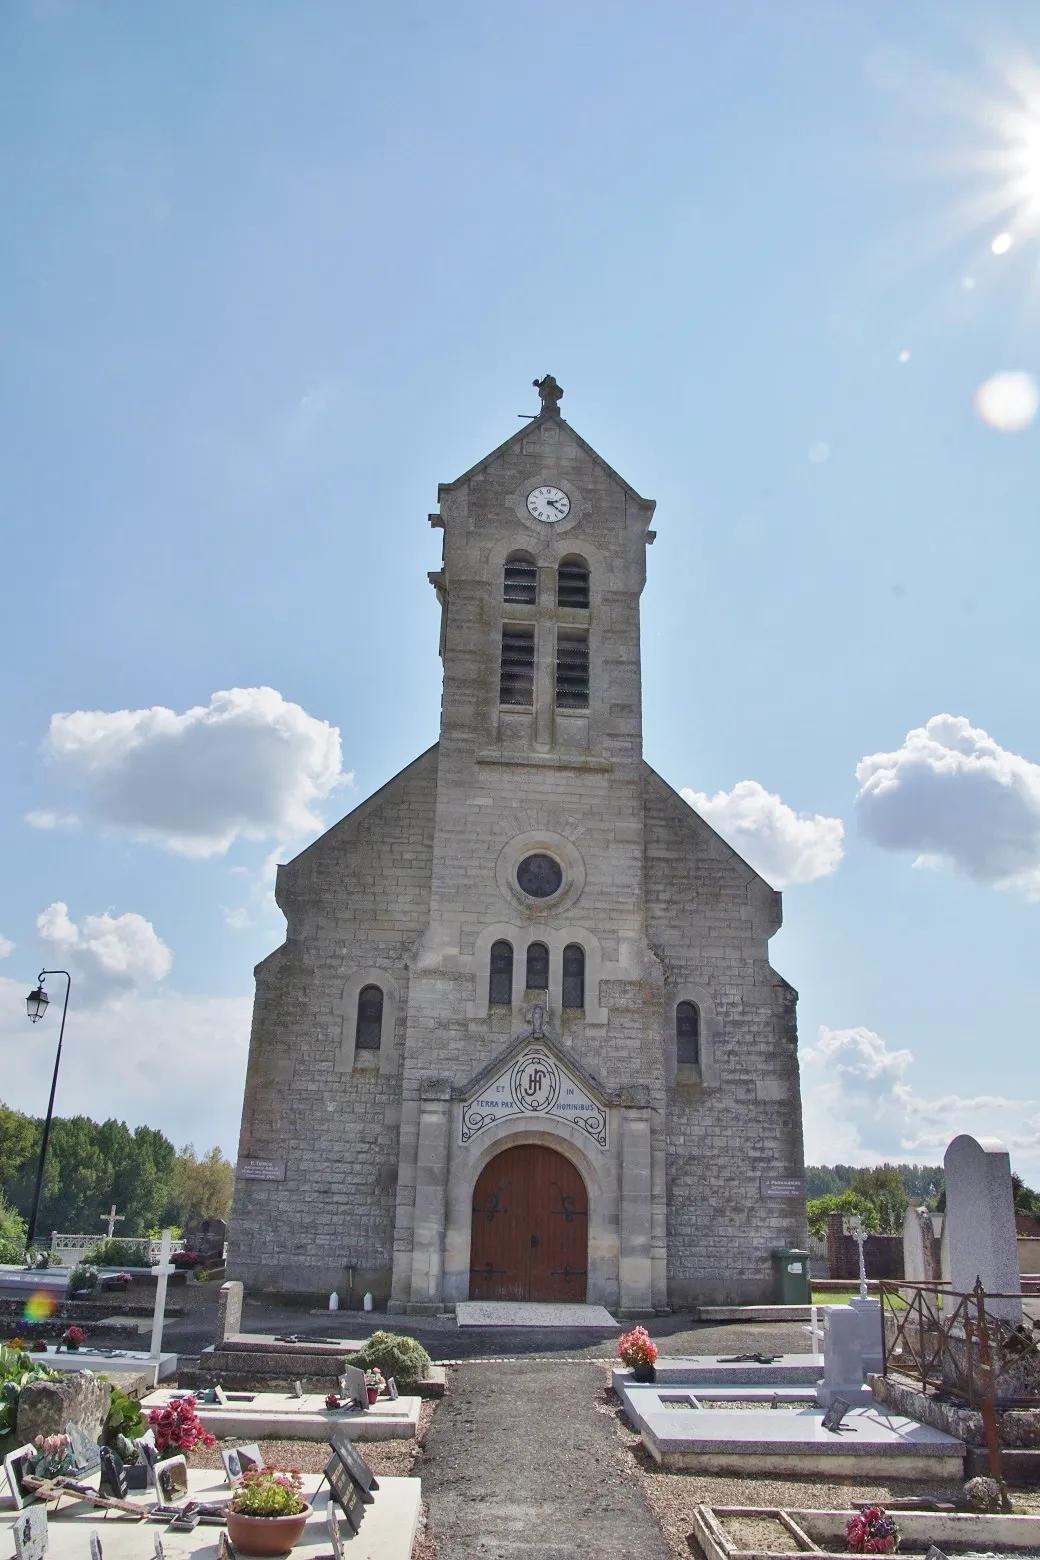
<point>523,1040</point>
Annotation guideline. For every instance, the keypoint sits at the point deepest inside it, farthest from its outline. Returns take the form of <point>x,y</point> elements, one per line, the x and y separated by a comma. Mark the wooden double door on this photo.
<point>530,1228</point>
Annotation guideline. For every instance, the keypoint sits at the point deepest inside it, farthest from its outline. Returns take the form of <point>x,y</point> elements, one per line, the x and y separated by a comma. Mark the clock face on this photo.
<point>549,504</point>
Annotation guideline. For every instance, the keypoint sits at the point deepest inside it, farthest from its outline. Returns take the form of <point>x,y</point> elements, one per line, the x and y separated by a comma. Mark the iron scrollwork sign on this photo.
<point>535,1085</point>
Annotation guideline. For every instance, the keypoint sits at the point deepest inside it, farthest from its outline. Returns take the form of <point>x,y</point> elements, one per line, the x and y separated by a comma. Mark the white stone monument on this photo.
<point>921,1260</point>
<point>162,1272</point>
<point>980,1223</point>
<point>868,1311</point>
<point>842,1359</point>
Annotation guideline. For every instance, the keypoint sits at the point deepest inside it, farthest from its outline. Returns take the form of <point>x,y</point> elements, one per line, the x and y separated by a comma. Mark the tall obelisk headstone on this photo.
<point>980,1223</point>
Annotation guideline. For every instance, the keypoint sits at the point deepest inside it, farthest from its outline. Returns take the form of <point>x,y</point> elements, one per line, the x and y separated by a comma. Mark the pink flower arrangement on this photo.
<point>871,1532</point>
<point>178,1427</point>
<point>637,1348</point>
<point>73,1337</point>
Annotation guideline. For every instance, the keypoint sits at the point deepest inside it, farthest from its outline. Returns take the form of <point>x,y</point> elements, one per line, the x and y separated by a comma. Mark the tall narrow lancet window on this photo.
<point>572,669</point>
<point>516,681</point>
<point>521,580</point>
<point>574,976</point>
<point>369,1034</point>
<point>500,983</point>
<point>572,583</point>
<point>687,1034</point>
<point>537,967</point>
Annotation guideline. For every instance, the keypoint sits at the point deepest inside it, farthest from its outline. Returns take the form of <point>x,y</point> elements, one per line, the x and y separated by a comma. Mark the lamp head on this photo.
<point>37,1003</point>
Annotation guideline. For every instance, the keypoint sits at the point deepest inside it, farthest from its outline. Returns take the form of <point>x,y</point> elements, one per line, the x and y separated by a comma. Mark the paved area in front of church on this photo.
<point>520,1461</point>
<point>531,1313</point>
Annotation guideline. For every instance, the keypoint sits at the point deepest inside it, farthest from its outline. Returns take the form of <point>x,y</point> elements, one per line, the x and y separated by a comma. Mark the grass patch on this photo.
<point>843,1296</point>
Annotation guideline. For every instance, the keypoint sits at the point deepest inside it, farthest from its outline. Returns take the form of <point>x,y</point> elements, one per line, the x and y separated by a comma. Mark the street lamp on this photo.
<point>36,1005</point>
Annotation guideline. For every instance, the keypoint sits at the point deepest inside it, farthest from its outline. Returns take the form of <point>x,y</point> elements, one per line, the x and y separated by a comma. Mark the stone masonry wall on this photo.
<point>356,899</point>
<point>738,1117</point>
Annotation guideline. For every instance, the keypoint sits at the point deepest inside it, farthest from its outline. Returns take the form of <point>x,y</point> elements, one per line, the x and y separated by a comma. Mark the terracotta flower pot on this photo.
<point>373,1395</point>
<point>266,1535</point>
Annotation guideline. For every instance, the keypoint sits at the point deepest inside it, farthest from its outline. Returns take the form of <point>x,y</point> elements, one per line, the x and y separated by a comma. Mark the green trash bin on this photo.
<point>792,1275</point>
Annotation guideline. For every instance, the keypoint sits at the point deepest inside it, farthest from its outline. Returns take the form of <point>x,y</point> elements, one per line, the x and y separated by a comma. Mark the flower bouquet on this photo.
<point>871,1532</point>
<point>638,1351</point>
<point>178,1428</point>
<point>375,1381</point>
<point>73,1338</point>
<point>54,1456</point>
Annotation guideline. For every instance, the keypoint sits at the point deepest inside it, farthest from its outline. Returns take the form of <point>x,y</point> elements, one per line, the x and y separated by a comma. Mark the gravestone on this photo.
<point>922,1262</point>
<point>229,1310</point>
<point>353,1385</point>
<point>869,1313</point>
<point>208,1241</point>
<point>980,1218</point>
<point>842,1359</point>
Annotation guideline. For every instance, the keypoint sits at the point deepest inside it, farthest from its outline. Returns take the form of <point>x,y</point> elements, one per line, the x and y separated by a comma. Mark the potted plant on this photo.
<point>376,1383</point>
<point>638,1351</point>
<point>178,1427</point>
<point>267,1513</point>
<point>871,1532</point>
<point>73,1338</point>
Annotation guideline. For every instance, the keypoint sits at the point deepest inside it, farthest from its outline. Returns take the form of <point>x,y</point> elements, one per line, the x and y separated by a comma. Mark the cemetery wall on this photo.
<point>355,900</point>
<point>882,1254</point>
<point>734,1122</point>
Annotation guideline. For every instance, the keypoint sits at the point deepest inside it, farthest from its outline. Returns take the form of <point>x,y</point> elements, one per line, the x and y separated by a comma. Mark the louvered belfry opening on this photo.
<point>572,583</point>
<point>574,976</point>
<point>521,580</point>
<point>537,978</point>
<point>516,681</point>
<point>369,1033</point>
<point>500,984</point>
<point>687,1034</point>
<point>572,669</point>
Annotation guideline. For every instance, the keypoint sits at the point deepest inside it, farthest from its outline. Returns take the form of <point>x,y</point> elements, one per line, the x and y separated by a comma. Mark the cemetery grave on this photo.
<point>259,1415</point>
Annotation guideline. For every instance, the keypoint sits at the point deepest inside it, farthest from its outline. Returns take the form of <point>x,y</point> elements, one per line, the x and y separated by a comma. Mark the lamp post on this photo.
<point>36,1005</point>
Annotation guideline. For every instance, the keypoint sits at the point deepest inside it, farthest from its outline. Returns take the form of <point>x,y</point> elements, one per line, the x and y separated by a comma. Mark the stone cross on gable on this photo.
<point>111,1218</point>
<point>859,1235</point>
<point>162,1272</point>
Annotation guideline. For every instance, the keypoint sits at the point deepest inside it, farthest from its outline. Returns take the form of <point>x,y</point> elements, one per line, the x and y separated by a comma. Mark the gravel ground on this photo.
<point>393,1459</point>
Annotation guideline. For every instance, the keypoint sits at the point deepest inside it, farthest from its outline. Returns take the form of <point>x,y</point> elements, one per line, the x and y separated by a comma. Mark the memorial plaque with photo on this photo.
<point>30,1534</point>
<point>353,1385</point>
<point>16,1466</point>
<point>232,1466</point>
<point>344,1490</point>
<point>832,1419</point>
<point>355,1465</point>
<point>250,1458</point>
<point>171,1480</point>
<point>113,1475</point>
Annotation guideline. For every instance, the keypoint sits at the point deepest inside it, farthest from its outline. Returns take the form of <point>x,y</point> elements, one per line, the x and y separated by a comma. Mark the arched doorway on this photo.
<point>530,1236</point>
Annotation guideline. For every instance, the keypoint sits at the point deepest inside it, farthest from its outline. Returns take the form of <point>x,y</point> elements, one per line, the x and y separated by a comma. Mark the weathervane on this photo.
<point>550,393</point>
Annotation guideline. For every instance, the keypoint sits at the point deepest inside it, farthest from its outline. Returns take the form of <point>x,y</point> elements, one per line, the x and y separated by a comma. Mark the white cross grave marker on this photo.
<point>859,1235</point>
<point>111,1218</point>
<point>162,1273</point>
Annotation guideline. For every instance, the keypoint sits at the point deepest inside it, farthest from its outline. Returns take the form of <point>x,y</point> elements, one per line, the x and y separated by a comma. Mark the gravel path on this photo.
<point>525,1460</point>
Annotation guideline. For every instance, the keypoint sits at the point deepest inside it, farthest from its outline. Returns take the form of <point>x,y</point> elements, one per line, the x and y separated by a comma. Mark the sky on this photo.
<point>270,272</point>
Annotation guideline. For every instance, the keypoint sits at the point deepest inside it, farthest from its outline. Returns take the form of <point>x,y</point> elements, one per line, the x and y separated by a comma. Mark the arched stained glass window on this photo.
<point>574,976</point>
<point>687,1034</point>
<point>369,1033</point>
<point>500,984</point>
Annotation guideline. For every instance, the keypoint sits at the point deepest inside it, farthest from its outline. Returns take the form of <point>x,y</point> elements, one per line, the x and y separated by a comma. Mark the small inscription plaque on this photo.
<point>262,1169</point>
<point>782,1186</point>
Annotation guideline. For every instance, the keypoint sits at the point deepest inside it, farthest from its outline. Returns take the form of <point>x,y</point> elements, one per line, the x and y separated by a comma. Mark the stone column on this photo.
<point>431,1183</point>
<point>636,1207</point>
<point>980,1218</point>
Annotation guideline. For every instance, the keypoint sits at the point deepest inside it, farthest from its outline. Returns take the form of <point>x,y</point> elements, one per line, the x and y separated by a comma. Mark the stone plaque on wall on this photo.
<point>782,1186</point>
<point>262,1169</point>
<point>534,1085</point>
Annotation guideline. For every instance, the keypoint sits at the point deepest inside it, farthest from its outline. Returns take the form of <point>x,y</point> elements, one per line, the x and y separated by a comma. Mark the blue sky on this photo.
<point>271,272</point>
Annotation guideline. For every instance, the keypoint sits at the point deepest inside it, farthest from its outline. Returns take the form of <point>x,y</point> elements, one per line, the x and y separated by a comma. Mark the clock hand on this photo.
<point>554,503</point>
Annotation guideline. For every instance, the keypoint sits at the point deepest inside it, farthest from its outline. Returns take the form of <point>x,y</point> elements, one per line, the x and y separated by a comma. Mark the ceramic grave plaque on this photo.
<point>30,1533</point>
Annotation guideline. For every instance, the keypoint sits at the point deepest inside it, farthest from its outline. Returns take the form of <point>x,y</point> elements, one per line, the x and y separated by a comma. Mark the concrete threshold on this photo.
<point>753,1313</point>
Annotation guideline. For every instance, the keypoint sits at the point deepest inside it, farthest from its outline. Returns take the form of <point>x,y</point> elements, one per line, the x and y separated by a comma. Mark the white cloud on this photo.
<point>785,846</point>
<point>951,792</point>
<point>46,818</point>
<point>6,947</point>
<point>248,764</point>
<point>237,919</point>
<point>860,1107</point>
<point>109,952</point>
<point>157,1059</point>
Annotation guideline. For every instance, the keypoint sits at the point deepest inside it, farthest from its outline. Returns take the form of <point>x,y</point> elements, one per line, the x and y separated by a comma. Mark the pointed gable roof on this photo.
<point>523,433</point>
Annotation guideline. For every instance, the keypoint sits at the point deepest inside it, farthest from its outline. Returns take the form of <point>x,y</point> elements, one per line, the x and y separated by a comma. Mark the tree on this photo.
<point>883,1187</point>
<point>845,1203</point>
<point>12,1232</point>
<point>200,1188</point>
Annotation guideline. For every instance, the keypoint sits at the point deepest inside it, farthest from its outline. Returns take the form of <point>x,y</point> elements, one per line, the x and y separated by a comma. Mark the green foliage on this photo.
<point>17,1369</point>
<point>1026,1201</point>
<point>395,1355</point>
<point>883,1187</point>
<point>922,1183</point>
<point>124,1419</point>
<point>269,1493</point>
<point>12,1232</point>
<point>82,1277</point>
<point>847,1203</point>
<point>120,1253</point>
<point>201,1188</point>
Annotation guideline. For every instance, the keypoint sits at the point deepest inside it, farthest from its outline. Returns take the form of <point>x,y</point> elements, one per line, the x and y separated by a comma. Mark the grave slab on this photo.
<point>756,1441</point>
<point>107,1362</point>
<point>960,1531</point>
<point>635,1397</point>
<point>277,1415</point>
<point>708,1370</point>
<point>530,1313</point>
<point>387,1531</point>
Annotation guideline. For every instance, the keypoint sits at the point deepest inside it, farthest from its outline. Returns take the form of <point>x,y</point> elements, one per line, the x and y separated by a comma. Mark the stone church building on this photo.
<point>523,1040</point>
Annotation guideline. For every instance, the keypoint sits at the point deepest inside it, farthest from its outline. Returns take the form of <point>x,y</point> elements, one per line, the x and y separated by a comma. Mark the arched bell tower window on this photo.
<point>500,984</point>
<point>687,1034</point>
<point>369,1033</point>
<point>572,583</point>
<point>574,976</point>
<point>521,579</point>
<point>537,967</point>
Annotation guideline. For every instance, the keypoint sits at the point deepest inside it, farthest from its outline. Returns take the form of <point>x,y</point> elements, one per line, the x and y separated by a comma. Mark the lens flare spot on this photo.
<point>1002,243</point>
<point>904,356</point>
<point>818,453</point>
<point>1008,401</point>
<point>968,283</point>
<point>40,1306</point>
